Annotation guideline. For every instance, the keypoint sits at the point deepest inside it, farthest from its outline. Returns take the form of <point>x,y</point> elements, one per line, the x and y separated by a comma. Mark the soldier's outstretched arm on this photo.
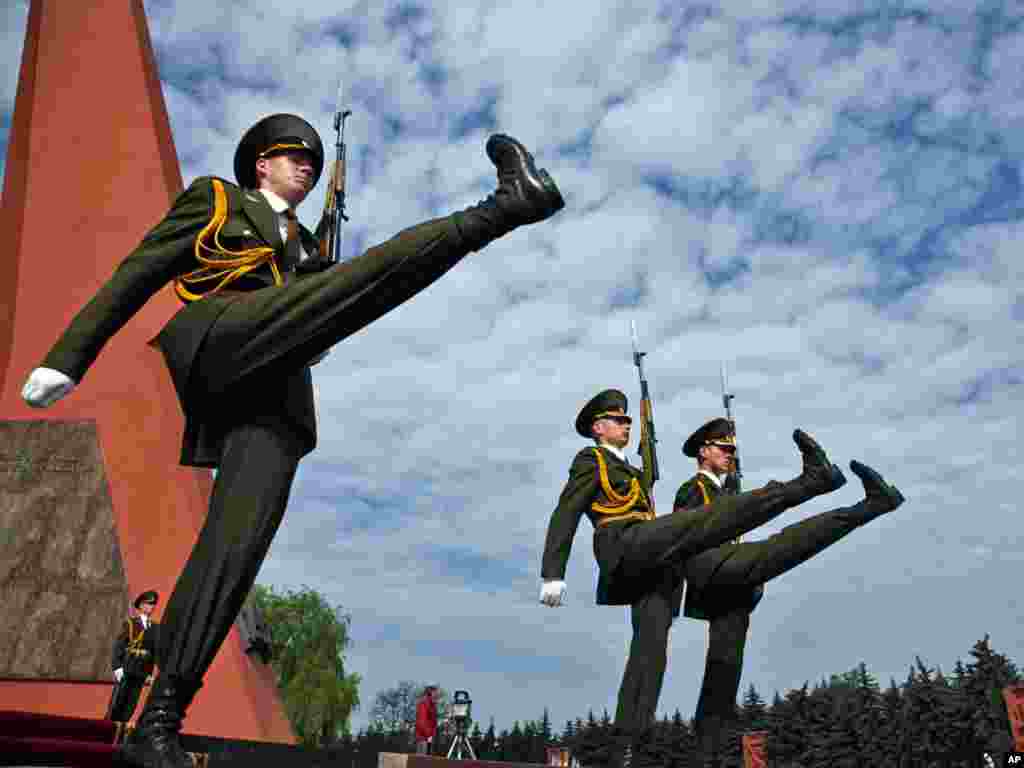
<point>164,253</point>
<point>575,499</point>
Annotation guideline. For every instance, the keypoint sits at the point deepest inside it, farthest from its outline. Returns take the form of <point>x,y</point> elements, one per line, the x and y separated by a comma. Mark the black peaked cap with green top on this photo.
<point>601,404</point>
<point>716,432</point>
<point>276,133</point>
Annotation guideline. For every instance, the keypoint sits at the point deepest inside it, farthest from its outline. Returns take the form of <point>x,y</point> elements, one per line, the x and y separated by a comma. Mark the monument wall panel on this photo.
<point>62,581</point>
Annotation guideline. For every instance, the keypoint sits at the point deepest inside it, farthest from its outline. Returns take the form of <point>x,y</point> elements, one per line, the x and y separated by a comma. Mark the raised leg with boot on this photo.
<point>686,532</point>
<point>750,563</point>
<point>264,338</point>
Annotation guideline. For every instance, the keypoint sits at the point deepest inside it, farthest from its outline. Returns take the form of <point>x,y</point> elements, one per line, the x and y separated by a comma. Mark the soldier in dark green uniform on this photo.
<point>133,657</point>
<point>261,305</point>
<point>641,556</point>
<point>725,583</point>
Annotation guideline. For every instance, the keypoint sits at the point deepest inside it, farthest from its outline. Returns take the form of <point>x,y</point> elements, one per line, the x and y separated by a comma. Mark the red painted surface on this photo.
<point>91,166</point>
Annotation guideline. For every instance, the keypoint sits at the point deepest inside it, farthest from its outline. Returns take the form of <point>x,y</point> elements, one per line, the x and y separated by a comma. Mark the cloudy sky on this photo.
<point>827,196</point>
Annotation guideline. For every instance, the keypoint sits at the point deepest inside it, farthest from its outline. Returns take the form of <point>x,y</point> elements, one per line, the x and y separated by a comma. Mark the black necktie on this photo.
<point>292,248</point>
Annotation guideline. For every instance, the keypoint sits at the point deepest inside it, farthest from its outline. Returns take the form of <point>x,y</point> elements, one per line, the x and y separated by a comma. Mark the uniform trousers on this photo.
<point>261,340</point>
<point>744,564</point>
<point>125,697</point>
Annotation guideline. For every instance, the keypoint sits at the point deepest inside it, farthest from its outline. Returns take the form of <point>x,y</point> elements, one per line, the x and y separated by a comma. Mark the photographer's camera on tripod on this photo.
<point>460,715</point>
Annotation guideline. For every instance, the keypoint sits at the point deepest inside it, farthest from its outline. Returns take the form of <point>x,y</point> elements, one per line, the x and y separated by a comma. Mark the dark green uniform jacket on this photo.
<point>135,648</point>
<point>615,587</point>
<point>701,603</point>
<point>164,254</point>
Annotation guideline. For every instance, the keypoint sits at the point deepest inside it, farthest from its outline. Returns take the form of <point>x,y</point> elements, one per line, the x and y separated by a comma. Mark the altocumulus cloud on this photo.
<point>827,196</point>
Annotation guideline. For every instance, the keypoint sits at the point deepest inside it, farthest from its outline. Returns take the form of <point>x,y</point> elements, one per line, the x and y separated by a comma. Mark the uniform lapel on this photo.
<point>611,458</point>
<point>625,466</point>
<point>263,217</point>
<point>709,486</point>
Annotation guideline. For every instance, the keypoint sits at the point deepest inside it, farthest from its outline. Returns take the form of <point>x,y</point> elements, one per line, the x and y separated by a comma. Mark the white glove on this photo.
<point>45,386</point>
<point>118,674</point>
<point>552,591</point>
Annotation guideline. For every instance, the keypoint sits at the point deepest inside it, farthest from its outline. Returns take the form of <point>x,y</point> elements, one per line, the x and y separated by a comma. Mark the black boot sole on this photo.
<point>815,458</point>
<point>875,487</point>
<point>516,168</point>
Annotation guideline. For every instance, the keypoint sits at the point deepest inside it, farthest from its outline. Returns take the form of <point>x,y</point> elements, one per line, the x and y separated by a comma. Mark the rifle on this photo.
<point>735,480</point>
<point>334,205</point>
<point>727,399</point>
<point>648,442</point>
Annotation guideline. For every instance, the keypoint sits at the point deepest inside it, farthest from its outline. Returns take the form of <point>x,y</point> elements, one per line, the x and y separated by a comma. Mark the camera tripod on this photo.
<point>461,742</point>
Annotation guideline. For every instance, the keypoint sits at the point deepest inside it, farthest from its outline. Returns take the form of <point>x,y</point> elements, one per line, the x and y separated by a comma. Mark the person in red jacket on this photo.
<point>426,720</point>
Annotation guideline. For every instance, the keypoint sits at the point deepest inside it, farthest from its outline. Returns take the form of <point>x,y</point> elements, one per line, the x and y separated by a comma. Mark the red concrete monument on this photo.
<point>94,507</point>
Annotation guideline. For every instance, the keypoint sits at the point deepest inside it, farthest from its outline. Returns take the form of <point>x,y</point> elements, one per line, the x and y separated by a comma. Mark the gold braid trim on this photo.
<point>283,148</point>
<point>135,641</point>
<point>703,491</point>
<point>707,500</point>
<point>621,506</point>
<point>222,264</point>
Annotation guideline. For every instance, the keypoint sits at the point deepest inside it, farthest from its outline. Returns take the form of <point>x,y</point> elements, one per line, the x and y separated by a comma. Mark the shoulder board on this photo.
<point>687,485</point>
<point>583,460</point>
<point>586,454</point>
<point>231,190</point>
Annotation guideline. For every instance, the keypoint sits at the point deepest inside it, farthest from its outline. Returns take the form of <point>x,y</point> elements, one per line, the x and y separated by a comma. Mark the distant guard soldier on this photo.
<point>261,305</point>
<point>134,657</point>
<point>725,583</point>
<point>640,556</point>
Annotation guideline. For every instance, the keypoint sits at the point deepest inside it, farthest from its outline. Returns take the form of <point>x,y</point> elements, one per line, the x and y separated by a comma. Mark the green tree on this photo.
<point>753,711</point>
<point>488,743</point>
<point>394,709</point>
<point>308,642</point>
<point>983,681</point>
<point>789,727</point>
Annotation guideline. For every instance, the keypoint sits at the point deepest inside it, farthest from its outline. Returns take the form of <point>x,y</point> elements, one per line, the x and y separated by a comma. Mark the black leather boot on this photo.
<point>880,497</point>
<point>819,475</point>
<point>155,742</point>
<point>525,194</point>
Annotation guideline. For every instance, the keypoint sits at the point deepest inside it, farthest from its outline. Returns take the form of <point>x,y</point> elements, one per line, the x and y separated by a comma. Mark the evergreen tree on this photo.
<point>568,733</point>
<point>504,744</point>
<point>513,744</point>
<point>487,744</point>
<point>753,712</point>
<point>823,708</point>
<point>476,739</point>
<point>926,696</point>
<point>544,738</point>
<point>983,682</point>
<point>789,728</point>
<point>681,741</point>
<point>958,714</point>
<point>528,748</point>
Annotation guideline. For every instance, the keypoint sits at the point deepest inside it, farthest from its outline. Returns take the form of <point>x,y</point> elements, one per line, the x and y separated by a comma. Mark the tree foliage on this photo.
<point>931,720</point>
<point>308,642</point>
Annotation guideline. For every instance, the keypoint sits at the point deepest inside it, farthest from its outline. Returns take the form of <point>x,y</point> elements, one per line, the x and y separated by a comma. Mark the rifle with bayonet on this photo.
<point>734,480</point>
<point>648,442</point>
<point>334,205</point>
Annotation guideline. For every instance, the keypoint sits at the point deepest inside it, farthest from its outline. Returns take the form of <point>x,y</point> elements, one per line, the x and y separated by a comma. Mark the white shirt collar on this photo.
<point>145,620</point>
<point>279,205</point>
<point>277,202</point>
<point>621,454</point>
<point>714,478</point>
